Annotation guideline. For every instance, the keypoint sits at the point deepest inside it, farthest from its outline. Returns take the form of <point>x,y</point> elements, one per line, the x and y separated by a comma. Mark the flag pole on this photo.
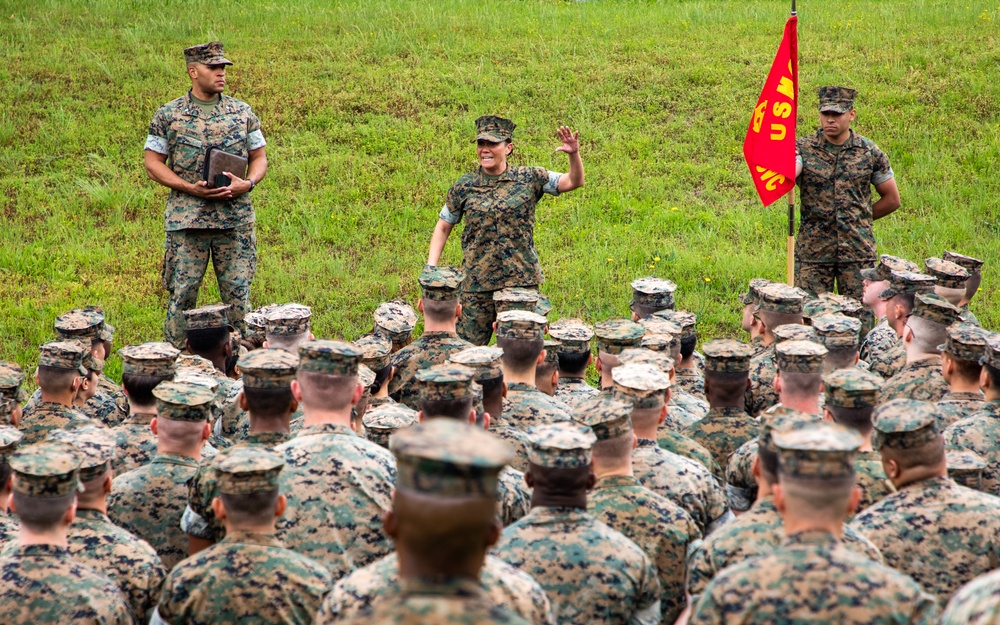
<point>790,262</point>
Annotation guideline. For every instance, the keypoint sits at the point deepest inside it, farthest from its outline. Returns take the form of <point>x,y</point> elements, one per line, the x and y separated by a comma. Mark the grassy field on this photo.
<point>368,109</point>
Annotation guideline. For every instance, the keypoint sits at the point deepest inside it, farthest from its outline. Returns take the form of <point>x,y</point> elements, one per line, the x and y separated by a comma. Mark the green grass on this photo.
<point>368,110</point>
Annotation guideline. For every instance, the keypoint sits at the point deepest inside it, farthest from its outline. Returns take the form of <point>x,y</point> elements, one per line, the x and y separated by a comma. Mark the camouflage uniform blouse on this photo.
<point>572,391</point>
<point>135,441</point>
<point>920,380</point>
<point>722,432</point>
<point>44,584</point>
<point>498,242</point>
<point>591,573</point>
<point>46,416</point>
<point>883,350</point>
<point>939,533</point>
<point>245,579</point>
<point>980,432</point>
<point>432,348</point>
<point>525,406</point>
<point>359,593</point>
<point>813,578</point>
<point>836,189</point>
<point>955,406</point>
<point>977,603</point>
<point>183,132</point>
<point>677,443</point>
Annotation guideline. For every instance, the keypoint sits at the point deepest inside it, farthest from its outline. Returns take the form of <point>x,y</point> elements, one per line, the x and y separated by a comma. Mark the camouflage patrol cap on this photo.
<point>95,446</point>
<point>991,354</point>
<point>192,364</point>
<point>80,323</point>
<point>514,298</point>
<point>183,401</point>
<point>494,129</point>
<point>818,307</point>
<point>653,292</point>
<point>375,351</point>
<point>836,99</point>
<point>552,348</point>
<point>484,361</point>
<point>11,378</point>
<point>288,320</point>
<point>904,424</point>
<point>935,308</point>
<point>645,356</point>
<point>780,298</point>
<point>844,304</point>
<point>965,341</point>
<point>664,343</point>
<point>329,357</point>
<point>477,399</point>
<point>836,330</point>
<point>445,382</point>
<point>560,445</point>
<point>248,469</point>
<point>90,362</point>
<point>615,335</point>
<point>544,305</point>
<point>6,410</point>
<point>10,437</point>
<point>153,358</point>
<point>366,377</point>
<point>970,263</point>
<point>256,322</point>
<point>268,368</point>
<point>46,469</point>
<point>818,449</point>
<point>907,282</point>
<point>966,467</point>
<point>654,325</point>
<point>574,334</point>
<point>395,320</point>
<point>886,265</point>
<point>794,332</point>
<point>208,317</point>
<point>799,357</point>
<point>381,421</point>
<point>949,275</point>
<point>207,54</point>
<point>727,356</point>
<point>752,296</point>
<point>520,324</point>
<point>63,355</point>
<point>448,458</point>
<point>852,388</point>
<point>683,319</point>
<point>644,385</point>
<point>440,283</point>
<point>782,422</point>
<point>607,415</point>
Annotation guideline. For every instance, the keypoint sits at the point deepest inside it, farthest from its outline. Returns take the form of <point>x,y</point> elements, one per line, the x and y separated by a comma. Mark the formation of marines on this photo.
<point>841,464</point>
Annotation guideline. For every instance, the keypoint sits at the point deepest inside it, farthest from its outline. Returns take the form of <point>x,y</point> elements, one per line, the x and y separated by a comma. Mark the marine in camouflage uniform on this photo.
<point>961,368</point>
<point>921,378</point>
<point>439,284</point>
<point>220,227</point>
<point>10,437</point>
<point>783,300</point>
<point>565,549</point>
<point>575,337</point>
<point>883,350</point>
<point>941,534</point>
<point>338,484</point>
<point>677,443</point>
<point>43,583</point>
<point>149,501</point>
<point>684,482</point>
<point>724,429</point>
<point>836,239</point>
<point>498,204</point>
<point>360,592</point>
<point>46,416</point>
<point>813,577</point>
<point>661,528</point>
<point>980,432</point>
<point>525,405</point>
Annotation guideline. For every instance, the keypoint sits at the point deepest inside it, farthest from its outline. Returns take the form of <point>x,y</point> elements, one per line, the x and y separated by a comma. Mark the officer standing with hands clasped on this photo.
<point>203,220</point>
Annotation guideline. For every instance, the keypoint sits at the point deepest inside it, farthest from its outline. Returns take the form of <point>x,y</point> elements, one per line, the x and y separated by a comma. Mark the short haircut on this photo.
<point>687,345</point>
<point>443,529</point>
<point>994,375</point>
<point>268,402</point>
<point>5,471</point>
<point>727,385</point>
<point>207,340</point>
<point>380,377</point>
<point>440,311</point>
<point>288,342</point>
<point>774,320</point>
<point>826,497</point>
<point>491,387</point>
<point>644,417</point>
<point>906,300</point>
<point>545,369</point>
<point>953,296</point>
<point>183,434</point>
<point>560,481</point>
<point>231,361</point>
<point>801,384</point>
<point>520,355</point>
<point>859,419</point>
<point>140,387</point>
<point>55,379</point>
<point>573,363</point>
<point>929,455</point>
<point>641,310</point>
<point>614,449</point>
<point>42,514</point>
<point>840,357</point>
<point>768,464</point>
<point>927,335</point>
<point>251,509</point>
<point>448,408</point>
<point>324,391</point>
<point>967,370</point>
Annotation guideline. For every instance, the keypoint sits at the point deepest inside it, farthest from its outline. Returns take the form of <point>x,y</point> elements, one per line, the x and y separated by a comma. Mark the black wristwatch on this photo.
<point>252,184</point>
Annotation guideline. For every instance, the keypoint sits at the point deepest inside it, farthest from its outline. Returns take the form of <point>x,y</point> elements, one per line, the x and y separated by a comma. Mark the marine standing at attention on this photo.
<point>205,221</point>
<point>498,203</point>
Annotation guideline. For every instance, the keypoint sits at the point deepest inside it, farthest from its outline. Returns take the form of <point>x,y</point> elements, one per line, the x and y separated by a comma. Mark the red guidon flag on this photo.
<point>769,147</point>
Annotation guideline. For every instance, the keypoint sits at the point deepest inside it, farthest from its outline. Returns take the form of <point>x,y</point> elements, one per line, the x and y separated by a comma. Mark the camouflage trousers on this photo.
<point>185,258</point>
<point>819,278</point>
<point>478,314</point>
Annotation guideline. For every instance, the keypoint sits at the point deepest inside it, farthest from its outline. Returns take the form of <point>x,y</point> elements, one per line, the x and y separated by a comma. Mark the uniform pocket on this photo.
<point>169,261</point>
<point>188,152</point>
